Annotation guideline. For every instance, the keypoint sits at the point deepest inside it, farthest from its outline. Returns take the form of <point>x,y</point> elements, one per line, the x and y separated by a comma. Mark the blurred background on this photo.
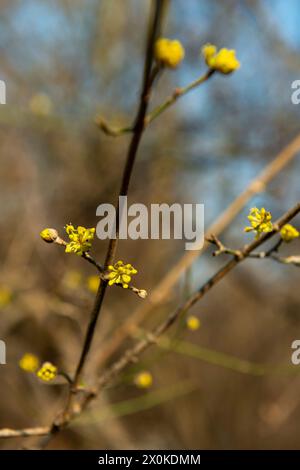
<point>232,384</point>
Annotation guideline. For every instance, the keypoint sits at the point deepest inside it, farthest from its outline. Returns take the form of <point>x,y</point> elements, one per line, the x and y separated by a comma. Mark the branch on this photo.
<point>148,79</point>
<point>132,354</point>
<point>27,432</point>
<point>270,254</point>
<point>103,274</point>
<point>222,249</point>
<point>172,99</point>
<point>164,287</point>
<point>109,130</point>
<point>178,93</point>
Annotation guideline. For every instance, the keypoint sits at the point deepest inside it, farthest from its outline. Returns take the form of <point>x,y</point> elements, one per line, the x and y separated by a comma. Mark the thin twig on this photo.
<point>222,249</point>
<point>27,432</point>
<point>178,93</point>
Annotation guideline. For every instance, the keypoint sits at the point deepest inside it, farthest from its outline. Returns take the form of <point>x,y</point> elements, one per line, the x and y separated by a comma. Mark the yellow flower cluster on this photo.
<point>193,323</point>
<point>143,379</point>
<point>168,52</point>
<point>121,273</point>
<point>223,61</point>
<point>289,233</point>
<point>47,372</point>
<point>80,237</point>
<point>29,362</point>
<point>260,220</point>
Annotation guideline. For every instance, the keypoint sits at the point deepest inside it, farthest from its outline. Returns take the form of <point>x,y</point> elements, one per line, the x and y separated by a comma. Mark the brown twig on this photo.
<point>222,249</point>
<point>148,79</point>
<point>271,253</point>
<point>27,432</point>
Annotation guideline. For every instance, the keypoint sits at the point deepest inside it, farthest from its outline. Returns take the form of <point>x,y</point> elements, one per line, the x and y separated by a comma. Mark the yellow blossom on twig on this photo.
<point>289,233</point>
<point>168,52</point>
<point>223,61</point>
<point>29,362</point>
<point>80,237</point>
<point>193,323</point>
<point>260,220</point>
<point>47,372</point>
<point>120,273</point>
<point>143,379</point>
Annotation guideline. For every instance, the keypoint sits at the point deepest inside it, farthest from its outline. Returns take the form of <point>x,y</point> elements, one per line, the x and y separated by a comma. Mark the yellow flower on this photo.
<point>208,51</point>
<point>40,104</point>
<point>80,237</point>
<point>93,283</point>
<point>121,274</point>
<point>49,235</point>
<point>224,60</point>
<point>168,52</point>
<point>47,372</point>
<point>29,362</point>
<point>260,221</point>
<point>5,296</point>
<point>193,323</point>
<point>288,233</point>
<point>143,379</point>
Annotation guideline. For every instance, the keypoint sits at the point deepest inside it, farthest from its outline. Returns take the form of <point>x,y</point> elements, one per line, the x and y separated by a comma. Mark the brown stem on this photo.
<point>148,79</point>
<point>130,160</point>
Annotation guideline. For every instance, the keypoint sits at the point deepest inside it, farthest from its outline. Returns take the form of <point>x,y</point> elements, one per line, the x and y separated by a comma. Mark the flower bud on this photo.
<point>49,235</point>
<point>142,293</point>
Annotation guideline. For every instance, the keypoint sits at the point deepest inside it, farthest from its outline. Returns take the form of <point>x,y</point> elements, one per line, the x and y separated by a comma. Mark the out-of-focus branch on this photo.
<point>26,432</point>
<point>164,287</point>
